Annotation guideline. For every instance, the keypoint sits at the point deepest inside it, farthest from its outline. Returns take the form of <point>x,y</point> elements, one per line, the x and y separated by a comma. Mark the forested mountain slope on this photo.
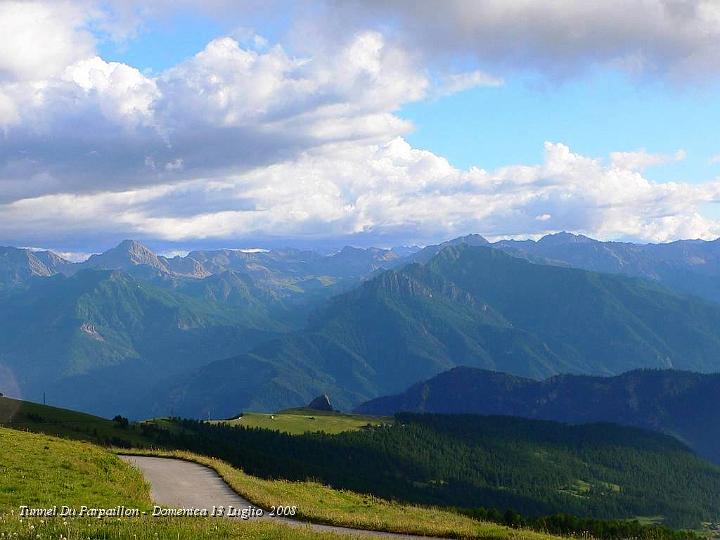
<point>95,341</point>
<point>690,266</point>
<point>469,305</point>
<point>679,403</point>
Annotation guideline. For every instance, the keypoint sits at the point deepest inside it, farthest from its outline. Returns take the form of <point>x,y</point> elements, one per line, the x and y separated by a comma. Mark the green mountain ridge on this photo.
<point>107,337</point>
<point>689,266</point>
<point>469,305</point>
<point>268,337</point>
<point>677,403</point>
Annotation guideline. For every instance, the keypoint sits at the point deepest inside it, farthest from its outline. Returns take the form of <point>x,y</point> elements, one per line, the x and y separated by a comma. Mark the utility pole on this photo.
<point>43,398</point>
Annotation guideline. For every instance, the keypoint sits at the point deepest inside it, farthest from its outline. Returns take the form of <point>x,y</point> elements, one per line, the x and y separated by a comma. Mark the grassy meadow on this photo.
<point>299,421</point>
<point>80,426</point>
<point>41,471</point>
<point>146,528</point>
<point>25,415</point>
<point>322,504</point>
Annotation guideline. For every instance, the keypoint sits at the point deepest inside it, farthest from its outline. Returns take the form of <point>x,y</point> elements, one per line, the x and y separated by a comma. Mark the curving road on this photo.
<point>175,483</point>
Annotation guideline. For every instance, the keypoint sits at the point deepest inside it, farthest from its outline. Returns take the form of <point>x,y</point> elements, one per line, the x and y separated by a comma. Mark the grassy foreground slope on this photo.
<point>322,504</point>
<point>299,421</point>
<point>26,415</point>
<point>534,467</point>
<point>41,471</point>
<point>38,470</point>
<point>537,468</point>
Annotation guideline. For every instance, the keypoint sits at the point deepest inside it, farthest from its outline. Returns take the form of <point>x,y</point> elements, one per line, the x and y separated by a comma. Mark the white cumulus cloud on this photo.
<point>41,38</point>
<point>390,190</point>
<point>676,40</point>
<point>459,82</point>
<point>248,139</point>
<point>641,159</point>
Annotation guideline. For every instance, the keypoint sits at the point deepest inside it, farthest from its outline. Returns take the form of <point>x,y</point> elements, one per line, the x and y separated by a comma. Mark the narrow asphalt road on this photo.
<point>175,483</point>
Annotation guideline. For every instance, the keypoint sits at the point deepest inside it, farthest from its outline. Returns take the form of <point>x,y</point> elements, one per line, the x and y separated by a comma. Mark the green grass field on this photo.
<point>322,504</point>
<point>156,529</point>
<point>75,425</point>
<point>41,471</point>
<point>299,421</point>
<point>65,423</point>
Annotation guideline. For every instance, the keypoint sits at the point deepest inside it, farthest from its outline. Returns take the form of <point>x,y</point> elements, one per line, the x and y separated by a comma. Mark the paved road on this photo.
<point>175,483</point>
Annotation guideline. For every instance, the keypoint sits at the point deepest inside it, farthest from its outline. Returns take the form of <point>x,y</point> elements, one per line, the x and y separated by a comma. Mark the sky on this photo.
<point>190,124</point>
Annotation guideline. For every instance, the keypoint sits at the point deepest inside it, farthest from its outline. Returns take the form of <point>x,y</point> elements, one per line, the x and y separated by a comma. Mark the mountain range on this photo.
<point>690,266</point>
<point>217,332</point>
<point>121,324</point>
<point>283,268</point>
<point>678,403</point>
<point>468,305</point>
<point>96,339</point>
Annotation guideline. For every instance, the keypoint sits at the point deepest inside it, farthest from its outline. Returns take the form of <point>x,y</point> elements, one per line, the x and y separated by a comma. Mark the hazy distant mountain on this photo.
<point>18,266</point>
<point>297,264</point>
<point>98,339</point>
<point>427,253</point>
<point>691,266</point>
<point>458,304</point>
<point>678,403</point>
<point>467,306</point>
<point>353,262</point>
<point>185,267</point>
<point>278,267</point>
<point>129,256</point>
<point>295,281</point>
<point>246,295</point>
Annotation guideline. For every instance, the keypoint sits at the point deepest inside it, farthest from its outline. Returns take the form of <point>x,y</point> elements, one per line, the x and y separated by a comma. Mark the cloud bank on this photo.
<point>252,140</point>
<point>674,39</point>
<point>390,191</point>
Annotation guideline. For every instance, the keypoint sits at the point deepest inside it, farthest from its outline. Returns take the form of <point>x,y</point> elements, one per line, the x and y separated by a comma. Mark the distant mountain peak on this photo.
<point>17,265</point>
<point>565,238</point>
<point>126,255</point>
<point>132,247</point>
<point>470,239</point>
<point>456,251</point>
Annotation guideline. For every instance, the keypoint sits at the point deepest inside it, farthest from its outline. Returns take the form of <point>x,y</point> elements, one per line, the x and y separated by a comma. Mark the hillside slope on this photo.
<point>43,471</point>
<point>673,402</point>
<point>469,305</point>
<point>690,266</point>
<point>98,340</point>
<point>535,467</point>
<point>18,266</point>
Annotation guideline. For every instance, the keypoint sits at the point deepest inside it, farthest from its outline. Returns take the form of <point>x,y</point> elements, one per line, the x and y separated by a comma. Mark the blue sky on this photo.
<point>161,44</point>
<point>261,123</point>
<point>163,41</point>
<point>595,113</point>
